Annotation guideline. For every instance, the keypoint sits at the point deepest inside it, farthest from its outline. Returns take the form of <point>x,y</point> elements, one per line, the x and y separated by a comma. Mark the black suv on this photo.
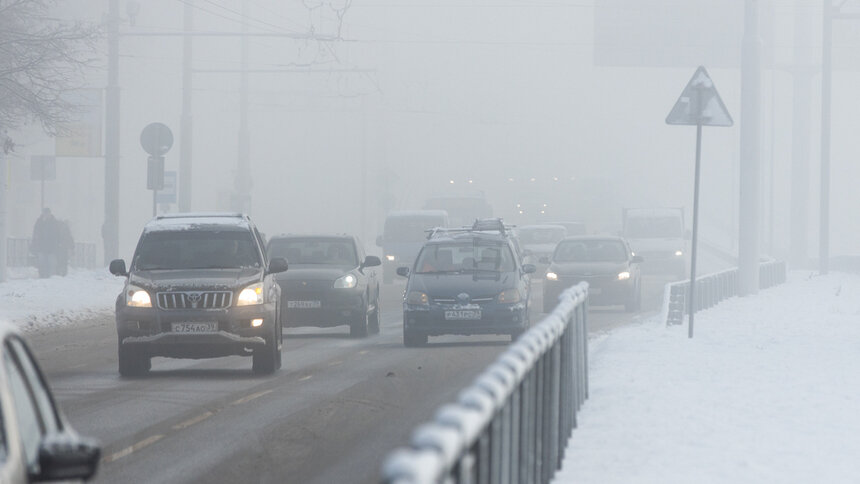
<point>331,282</point>
<point>199,286</point>
<point>464,282</point>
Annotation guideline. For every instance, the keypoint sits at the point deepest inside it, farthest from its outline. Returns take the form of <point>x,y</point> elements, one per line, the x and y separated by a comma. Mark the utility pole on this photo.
<point>3,180</point>
<point>364,119</point>
<point>185,122</point>
<point>803,72</point>
<point>826,82</point>
<point>242,201</point>
<point>110,228</point>
<point>750,162</point>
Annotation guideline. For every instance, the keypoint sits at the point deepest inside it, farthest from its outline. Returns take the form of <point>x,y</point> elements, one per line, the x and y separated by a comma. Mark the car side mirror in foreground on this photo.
<point>277,265</point>
<point>371,261</point>
<point>529,268</point>
<point>403,271</point>
<point>117,267</point>
<point>67,457</point>
<point>637,259</point>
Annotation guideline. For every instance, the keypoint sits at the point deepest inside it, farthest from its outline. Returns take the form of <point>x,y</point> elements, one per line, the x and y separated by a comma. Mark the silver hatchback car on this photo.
<point>36,442</point>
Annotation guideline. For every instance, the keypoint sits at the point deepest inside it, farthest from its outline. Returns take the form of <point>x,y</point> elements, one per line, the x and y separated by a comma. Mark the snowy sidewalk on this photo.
<point>34,304</point>
<point>767,391</point>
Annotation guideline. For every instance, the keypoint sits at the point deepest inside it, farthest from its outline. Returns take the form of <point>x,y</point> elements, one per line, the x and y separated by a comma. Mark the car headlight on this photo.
<point>679,253</point>
<point>251,295</point>
<point>417,298</point>
<point>390,258</point>
<point>137,297</point>
<point>551,276</point>
<point>346,282</point>
<point>510,296</point>
<point>623,276</point>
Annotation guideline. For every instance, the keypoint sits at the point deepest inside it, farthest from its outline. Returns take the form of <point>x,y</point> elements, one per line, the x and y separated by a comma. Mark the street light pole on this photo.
<point>826,82</point>
<point>750,166</point>
<point>185,122</point>
<point>242,202</point>
<point>110,228</point>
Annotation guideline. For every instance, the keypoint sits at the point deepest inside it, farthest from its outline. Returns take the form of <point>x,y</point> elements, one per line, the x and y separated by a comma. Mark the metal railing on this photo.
<point>714,288</point>
<point>513,423</point>
<point>18,253</point>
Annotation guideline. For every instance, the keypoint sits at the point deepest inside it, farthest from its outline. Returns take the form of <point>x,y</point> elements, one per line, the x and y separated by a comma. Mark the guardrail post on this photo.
<point>555,408</point>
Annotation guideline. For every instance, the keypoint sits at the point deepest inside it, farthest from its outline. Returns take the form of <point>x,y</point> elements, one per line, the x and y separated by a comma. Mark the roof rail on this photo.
<point>200,215</point>
<point>480,225</point>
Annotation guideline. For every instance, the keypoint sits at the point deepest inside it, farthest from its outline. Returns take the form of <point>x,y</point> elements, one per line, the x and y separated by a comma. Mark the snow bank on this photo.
<point>33,304</point>
<point>767,391</point>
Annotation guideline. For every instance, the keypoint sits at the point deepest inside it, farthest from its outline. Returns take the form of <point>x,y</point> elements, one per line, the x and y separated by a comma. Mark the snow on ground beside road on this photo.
<point>767,391</point>
<point>34,304</point>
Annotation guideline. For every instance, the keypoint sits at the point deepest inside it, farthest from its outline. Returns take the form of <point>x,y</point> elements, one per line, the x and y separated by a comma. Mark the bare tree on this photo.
<point>41,59</point>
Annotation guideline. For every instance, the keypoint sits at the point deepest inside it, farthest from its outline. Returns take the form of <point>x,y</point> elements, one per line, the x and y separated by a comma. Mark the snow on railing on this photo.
<point>513,423</point>
<point>713,288</point>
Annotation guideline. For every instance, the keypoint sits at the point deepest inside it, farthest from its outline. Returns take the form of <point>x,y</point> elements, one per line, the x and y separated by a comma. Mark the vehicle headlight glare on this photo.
<point>510,296</point>
<point>679,253</point>
<point>623,276</point>
<point>251,295</point>
<point>346,282</point>
<point>551,276</point>
<point>137,298</point>
<point>417,298</point>
<point>390,258</point>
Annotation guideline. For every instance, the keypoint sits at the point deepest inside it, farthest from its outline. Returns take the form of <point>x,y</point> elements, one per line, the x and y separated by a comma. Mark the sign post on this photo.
<point>699,105</point>
<point>156,139</point>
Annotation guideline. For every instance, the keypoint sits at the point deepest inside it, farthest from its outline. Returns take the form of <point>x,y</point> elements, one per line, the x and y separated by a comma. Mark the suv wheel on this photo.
<point>359,328</point>
<point>132,363</point>
<point>411,340</point>
<point>268,358</point>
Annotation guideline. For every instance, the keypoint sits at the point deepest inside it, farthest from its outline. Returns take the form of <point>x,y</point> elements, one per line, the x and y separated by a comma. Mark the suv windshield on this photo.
<point>339,252</point>
<point>409,229</point>
<point>458,257</point>
<point>196,249</point>
<point>653,227</point>
<point>537,236</point>
<point>590,251</point>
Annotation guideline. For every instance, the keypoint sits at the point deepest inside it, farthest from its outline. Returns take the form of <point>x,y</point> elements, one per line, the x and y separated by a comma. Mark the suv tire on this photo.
<point>131,363</point>
<point>412,340</point>
<point>359,328</point>
<point>268,358</point>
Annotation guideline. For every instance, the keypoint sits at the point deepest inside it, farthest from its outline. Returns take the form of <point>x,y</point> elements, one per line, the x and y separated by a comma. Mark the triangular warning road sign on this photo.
<point>700,104</point>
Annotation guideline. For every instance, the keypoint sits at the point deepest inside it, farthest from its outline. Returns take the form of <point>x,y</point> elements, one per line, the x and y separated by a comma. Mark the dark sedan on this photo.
<point>606,263</point>
<point>331,282</point>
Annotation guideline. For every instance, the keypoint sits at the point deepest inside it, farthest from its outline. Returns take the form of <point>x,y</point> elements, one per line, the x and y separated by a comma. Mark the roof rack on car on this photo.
<point>200,215</point>
<point>480,225</point>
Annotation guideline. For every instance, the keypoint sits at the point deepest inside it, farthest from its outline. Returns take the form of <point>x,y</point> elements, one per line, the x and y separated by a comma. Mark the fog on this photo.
<point>416,99</point>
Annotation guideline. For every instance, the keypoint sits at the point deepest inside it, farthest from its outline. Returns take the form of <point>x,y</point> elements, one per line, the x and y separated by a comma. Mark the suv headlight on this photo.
<point>417,298</point>
<point>510,296</point>
<point>346,282</point>
<point>251,295</point>
<point>623,276</point>
<point>679,253</point>
<point>137,297</point>
<point>551,276</point>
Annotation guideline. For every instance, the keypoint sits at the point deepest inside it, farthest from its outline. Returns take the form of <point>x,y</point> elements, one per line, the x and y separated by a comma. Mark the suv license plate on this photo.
<point>463,315</point>
<point>194,327</point>
<point>304,304</point>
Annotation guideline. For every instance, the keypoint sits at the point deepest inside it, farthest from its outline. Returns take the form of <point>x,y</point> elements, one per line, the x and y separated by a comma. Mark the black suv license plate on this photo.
<point>206,327</point>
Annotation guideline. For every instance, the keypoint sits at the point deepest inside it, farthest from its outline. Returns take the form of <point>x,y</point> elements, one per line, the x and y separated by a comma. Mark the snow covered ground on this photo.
<point>767,391</point>
<point>33,304</point>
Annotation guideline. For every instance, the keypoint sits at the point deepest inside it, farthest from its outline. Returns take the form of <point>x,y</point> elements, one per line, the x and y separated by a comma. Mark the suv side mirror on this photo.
<point>371,261</point>
<point>637,259</point>
<point>529,268</point>
<point>403,271</point>
<point>67,457</point>
<point>379,241</point>
<point>277,265</point>
<point>117,267</point>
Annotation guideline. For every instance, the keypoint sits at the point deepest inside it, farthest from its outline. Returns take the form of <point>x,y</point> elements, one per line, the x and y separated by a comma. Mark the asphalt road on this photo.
<point>330,415</point>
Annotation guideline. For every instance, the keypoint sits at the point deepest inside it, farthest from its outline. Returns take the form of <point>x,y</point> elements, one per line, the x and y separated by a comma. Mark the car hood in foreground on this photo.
<point>451,285</point>
<point>196,279</point>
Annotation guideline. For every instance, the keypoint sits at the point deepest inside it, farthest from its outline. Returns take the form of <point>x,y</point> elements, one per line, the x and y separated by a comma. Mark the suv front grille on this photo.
<point>194,300</point>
